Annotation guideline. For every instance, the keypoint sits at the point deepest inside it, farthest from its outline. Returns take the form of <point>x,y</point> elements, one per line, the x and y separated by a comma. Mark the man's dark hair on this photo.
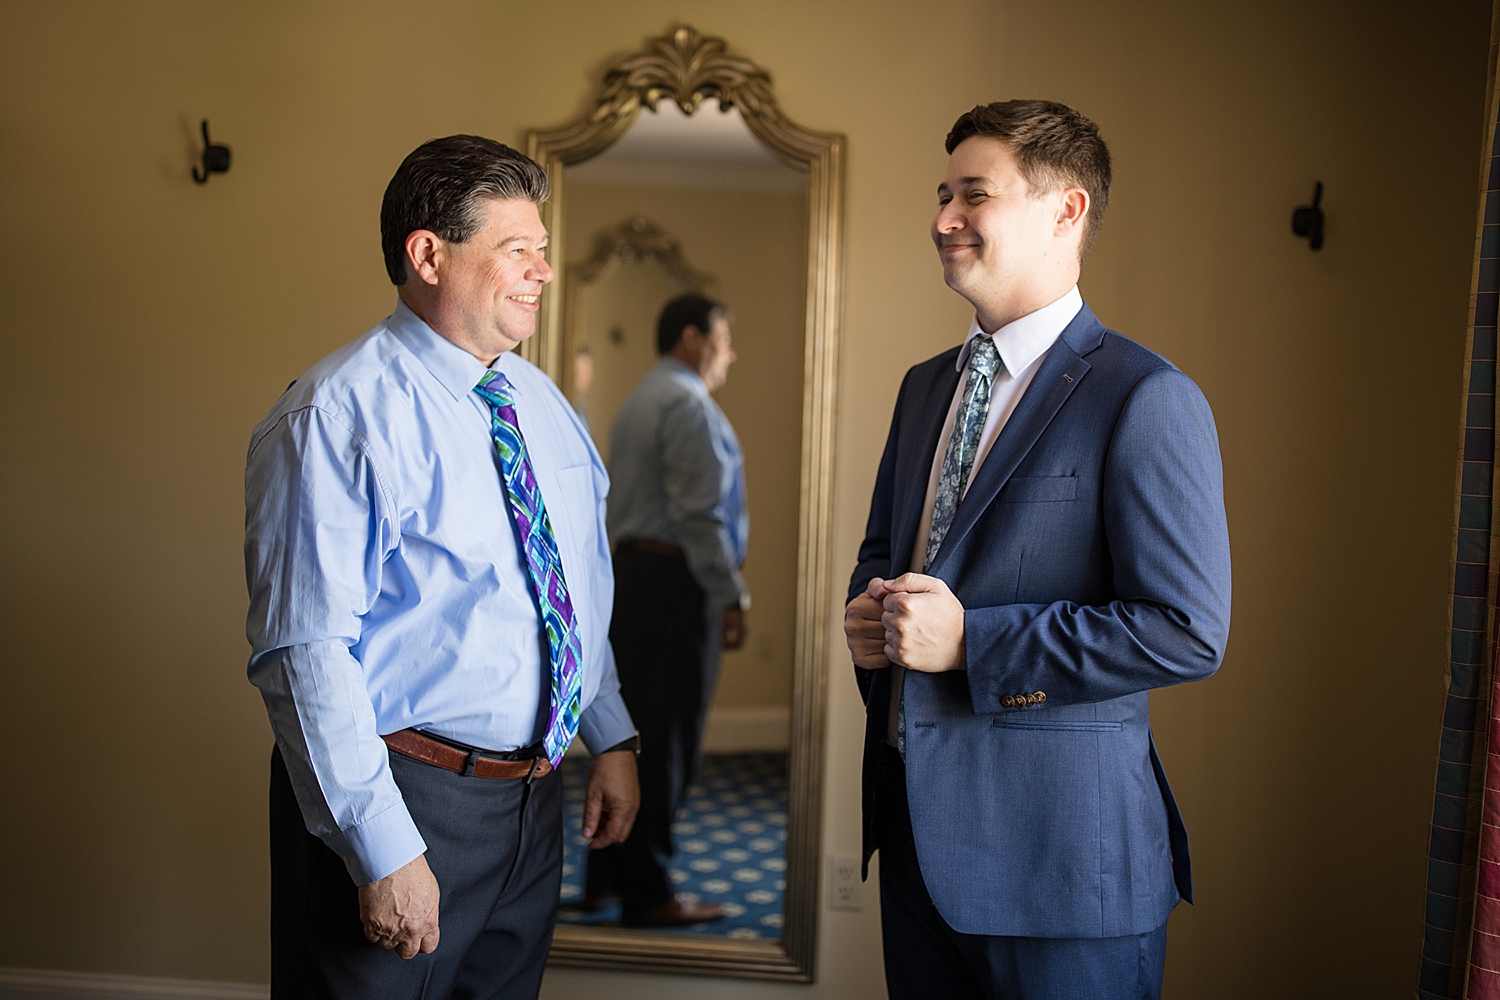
<point>683,312</point>
<point>440,186</point>
<point>1054,146</point>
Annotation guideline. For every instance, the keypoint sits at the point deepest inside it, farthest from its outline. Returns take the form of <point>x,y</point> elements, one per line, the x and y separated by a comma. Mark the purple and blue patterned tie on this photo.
<point>543,565</point>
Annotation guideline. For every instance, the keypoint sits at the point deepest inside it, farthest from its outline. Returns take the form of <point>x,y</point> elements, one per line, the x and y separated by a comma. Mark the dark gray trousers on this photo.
<point>495,847</point>
<point>660,634</point>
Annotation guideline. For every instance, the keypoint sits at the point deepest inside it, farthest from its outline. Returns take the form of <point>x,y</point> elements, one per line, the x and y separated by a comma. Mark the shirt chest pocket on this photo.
<point>577,521</point>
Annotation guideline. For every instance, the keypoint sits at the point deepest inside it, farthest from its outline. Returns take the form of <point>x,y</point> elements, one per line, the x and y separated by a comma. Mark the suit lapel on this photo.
<point>916,464</point>
<point>1060,373</point>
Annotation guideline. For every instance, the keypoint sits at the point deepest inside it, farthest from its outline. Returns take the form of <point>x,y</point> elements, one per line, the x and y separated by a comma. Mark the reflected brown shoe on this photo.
<point>593,904</point>
<point>677,912</point>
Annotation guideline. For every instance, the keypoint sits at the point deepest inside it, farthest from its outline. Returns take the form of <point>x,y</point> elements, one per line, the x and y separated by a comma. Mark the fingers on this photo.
<point>620,822</point>
<point>733,629</point>
<point>619,818</point>
<point>876,590</point>
<point>864,632</point>
<point>915,583</point>
<point>613,796</point>
<point>593,806</point>
<point>400,912</point>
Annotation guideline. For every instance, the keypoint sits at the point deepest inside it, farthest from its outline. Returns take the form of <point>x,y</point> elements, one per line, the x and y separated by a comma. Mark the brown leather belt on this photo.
<point>410,743</point>
<point>651,545</point>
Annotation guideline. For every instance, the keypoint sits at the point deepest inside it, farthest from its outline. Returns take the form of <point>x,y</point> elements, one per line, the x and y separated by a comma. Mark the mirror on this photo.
<point>686,177</point>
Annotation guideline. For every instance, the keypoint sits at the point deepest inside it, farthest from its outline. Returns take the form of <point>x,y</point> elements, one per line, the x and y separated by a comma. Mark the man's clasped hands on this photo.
<point>913,621</point>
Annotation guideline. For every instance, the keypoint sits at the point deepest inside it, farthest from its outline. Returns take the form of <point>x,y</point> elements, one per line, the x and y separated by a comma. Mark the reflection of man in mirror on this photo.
<point>430,591</point>
<point>583,381</point>
<point>678,519</point>
<point>1046,544</point>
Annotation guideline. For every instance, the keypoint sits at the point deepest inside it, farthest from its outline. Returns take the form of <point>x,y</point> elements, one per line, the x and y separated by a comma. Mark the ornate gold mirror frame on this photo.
<point>687,68</point>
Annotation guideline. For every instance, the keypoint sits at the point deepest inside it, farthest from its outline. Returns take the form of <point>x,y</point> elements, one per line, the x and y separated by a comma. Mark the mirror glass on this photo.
<point>696,203</point>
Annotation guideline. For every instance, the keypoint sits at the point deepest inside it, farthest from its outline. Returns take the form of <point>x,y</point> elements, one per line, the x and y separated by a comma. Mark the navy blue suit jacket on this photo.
<point>1091,556</point>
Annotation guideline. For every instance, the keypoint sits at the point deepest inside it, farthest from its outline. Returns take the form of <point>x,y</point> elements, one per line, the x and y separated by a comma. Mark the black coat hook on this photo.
<point>1307,220</point>
<point>215,158</point>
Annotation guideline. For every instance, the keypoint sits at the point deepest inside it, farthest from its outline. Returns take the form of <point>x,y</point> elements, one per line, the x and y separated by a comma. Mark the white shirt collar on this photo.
<point>1022,341</point>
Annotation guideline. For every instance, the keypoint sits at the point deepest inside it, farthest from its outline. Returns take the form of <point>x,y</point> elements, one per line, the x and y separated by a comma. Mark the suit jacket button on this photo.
<point>1040,697</point>
<point>1007,702</point>
<point>1030,699</point>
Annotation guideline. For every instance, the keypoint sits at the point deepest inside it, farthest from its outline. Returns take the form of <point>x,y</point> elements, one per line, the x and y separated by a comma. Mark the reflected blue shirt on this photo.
<point>679,477</point>
<point>387,589</point>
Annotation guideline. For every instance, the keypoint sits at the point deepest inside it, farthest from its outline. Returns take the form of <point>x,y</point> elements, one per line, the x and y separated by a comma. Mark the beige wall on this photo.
<point>753,243</point>
<point>148,323</point>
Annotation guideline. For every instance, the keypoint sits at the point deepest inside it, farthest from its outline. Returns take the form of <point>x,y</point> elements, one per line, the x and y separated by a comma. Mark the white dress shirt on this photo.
<point>1021,345</point>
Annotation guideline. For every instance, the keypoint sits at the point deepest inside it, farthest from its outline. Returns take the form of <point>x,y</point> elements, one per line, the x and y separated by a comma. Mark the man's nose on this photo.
<point>949,220</point>
<point>541,270</point>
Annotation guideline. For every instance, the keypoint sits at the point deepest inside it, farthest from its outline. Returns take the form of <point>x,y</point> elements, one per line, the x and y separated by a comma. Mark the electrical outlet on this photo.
<point>844,885</point>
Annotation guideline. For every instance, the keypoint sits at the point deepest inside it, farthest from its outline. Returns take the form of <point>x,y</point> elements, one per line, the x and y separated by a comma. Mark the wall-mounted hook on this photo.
<point>215,158</point>
<point>1307,220</point>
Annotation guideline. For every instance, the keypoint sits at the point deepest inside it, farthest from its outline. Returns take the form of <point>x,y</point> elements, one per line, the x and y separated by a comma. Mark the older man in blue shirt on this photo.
<point>430,596</point>
<point>680,528</point>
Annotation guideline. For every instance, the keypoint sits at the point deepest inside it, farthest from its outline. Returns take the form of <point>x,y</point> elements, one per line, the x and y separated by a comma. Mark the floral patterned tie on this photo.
<point>543,565</point>
<point>963,444</point>
<point>958,463</point>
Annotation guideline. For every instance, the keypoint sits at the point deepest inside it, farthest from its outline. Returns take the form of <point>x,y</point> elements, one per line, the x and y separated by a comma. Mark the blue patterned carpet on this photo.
<point>731,844</point>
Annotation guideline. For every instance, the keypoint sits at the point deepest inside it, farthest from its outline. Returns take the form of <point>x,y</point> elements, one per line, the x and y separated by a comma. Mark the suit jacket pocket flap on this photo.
<point>1057,725</point>
<point>1039,489</point>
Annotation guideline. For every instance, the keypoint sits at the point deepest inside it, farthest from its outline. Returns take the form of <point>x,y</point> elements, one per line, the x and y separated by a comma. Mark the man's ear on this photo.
<point>1072,209</point>
<point>425,253</point>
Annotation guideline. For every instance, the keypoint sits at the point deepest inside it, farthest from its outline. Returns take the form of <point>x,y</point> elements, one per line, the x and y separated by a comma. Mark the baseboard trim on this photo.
<point>54,984</point>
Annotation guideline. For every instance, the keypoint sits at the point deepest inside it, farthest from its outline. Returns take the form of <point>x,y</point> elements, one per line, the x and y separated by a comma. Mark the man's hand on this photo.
<point>863,629</point>
<point>400,911</point>
<point>734,628</point>
<point>924,624</point>
<point>611,799</point>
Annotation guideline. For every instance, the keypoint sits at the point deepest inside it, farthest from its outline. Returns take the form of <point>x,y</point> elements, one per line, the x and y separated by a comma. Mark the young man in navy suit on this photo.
<point>1046,544</point>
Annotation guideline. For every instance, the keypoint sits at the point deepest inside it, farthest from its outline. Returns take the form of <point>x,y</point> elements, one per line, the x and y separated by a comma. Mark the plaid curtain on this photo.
<point>1461,940</point>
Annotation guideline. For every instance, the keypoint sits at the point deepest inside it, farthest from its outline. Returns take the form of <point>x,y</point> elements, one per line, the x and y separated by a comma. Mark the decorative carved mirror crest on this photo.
<point>688,69</point>
<point>643,240</point>
<point>636,239</point>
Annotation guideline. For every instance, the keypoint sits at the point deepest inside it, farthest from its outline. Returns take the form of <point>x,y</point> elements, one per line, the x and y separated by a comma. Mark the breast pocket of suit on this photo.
<point>1040,489</point>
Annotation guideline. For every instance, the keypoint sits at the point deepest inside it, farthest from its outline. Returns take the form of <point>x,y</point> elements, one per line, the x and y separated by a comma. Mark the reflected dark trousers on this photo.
<point>495,847</point>
<point>659,631</point>
<point>925,957</point>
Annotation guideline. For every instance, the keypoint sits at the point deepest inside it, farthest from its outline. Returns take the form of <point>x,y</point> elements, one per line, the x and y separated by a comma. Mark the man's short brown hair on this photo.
<point>1055,147</point>
<point>441,186</point>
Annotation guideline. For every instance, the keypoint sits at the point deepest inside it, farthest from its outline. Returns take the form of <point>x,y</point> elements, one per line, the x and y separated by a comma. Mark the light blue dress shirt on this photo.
<point>387,590</point>
<point>679,477</point>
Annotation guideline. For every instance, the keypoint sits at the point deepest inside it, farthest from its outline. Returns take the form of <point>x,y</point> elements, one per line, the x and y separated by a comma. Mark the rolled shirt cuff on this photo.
<point>380,845</point>
<point>605,722</point>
